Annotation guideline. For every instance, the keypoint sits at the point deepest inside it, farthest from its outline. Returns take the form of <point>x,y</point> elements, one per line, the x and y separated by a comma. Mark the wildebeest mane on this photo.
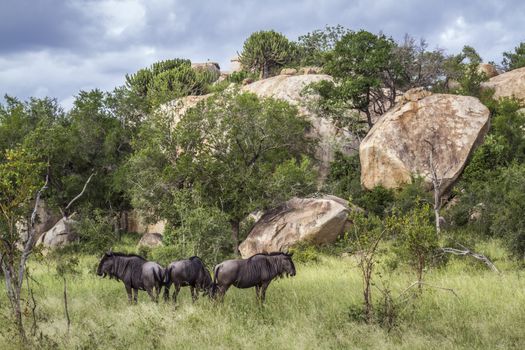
<point>127,268</point>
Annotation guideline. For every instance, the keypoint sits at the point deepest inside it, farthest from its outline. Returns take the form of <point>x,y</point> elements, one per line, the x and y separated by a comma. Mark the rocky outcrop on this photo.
<point>289,88</point>
<point>45,220</point>
<point>310,70</point>
<point>288,71</point>
<point>175,109</point>
<point>316,220</point>
<point>508,84</point>
<point>211,67</point>
<point>400,143</point>
<point>151,240</point>
<point>330,137</point>
<point>488,69</point>
<point>59,235</point>
<point>133,221</point>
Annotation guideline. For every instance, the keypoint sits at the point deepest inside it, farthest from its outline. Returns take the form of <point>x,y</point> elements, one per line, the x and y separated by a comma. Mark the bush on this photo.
<point>202,232</point>
<point>265,52</point>
<point>305,252</point>
<point>96,232</point>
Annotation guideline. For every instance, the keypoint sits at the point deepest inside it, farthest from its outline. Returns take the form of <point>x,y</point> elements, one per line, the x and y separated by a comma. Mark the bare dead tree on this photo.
<point>14,279</point>
<point>15,271</point>
<point>464,251</point>
<point>437,184</point>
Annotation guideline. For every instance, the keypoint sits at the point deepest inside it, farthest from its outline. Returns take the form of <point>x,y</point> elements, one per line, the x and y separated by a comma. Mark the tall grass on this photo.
<point>309,311</point>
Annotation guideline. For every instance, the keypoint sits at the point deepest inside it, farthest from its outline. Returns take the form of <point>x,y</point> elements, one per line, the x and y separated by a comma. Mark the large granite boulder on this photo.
<point>59,235</point>
<point>401,142</point>
<point>289,88</point>
<point>150,240</point>
<point>488,69</point>
<point>508,84</point>
<point>45,220</point>
<point>316,220</point>
<point>330,137</point>
<point>134,221</point>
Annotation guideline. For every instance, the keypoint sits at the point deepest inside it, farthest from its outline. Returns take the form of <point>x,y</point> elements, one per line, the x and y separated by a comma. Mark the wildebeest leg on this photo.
<point>257,289</point>
<point>263,290</point>
<point>166,292</point>
<point>176,292</point>
<point>194,296</point>
<point>222,291</point>
<point>150,293</point>
<point>128,290</point>
<point>136,295</point>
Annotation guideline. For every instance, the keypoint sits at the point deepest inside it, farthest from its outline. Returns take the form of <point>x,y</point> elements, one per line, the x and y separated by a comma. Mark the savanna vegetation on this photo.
<point>389,282</point>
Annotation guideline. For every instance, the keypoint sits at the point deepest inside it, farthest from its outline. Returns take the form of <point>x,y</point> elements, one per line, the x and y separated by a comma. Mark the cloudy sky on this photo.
<point>58,47</point>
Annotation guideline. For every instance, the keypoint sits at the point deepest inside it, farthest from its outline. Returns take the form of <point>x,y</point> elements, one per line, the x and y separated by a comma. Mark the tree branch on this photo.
<point>475,255</point>
<point>81,193</point>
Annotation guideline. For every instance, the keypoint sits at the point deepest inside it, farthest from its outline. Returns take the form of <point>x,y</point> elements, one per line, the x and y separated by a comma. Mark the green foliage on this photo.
<point>96,231</point>
<point>377,201</point>
<point>165,81</point>
<point>344,178</point>
<point>314,46</point>
<point>203,231</point>
<point>238,77</point>
<point>505,204</point>
<point>364,237</point>
<point>232,152</point>
<point>265,52</point>
<point>305,253</point>
<point>21,176</point>
<point>514,59</point>
<point>463,68</point>
<point>415,237</point>
<point>362,64</point>
<point>67,266</point>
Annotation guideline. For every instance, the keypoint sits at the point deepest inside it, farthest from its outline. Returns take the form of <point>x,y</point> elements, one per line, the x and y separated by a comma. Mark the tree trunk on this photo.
<point>65,306</point>
<point>235,236</point>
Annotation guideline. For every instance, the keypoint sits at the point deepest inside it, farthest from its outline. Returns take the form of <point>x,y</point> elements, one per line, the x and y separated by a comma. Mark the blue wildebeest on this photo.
<point>134,271</point>
<point>191,272</point>
<point>257,271</point>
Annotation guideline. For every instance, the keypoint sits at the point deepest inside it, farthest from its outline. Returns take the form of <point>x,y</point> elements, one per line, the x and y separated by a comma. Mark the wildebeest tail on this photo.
<point>214,284</point>
<point>158,274</point>
<point>167,274</point>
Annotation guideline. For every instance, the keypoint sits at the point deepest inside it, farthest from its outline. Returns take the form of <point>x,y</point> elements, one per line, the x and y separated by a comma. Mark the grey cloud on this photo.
<point>56,48</point>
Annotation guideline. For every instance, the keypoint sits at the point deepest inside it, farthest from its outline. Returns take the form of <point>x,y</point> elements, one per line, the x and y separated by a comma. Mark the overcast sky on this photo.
<point>58,47</point>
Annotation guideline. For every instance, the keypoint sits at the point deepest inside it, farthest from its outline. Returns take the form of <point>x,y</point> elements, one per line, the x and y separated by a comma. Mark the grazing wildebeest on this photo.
<point>135,271</point>
<point>257,271</point>
<point>191,272</point>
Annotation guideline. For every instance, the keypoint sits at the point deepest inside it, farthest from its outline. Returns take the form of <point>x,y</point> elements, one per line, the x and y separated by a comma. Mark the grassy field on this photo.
<point>309,311</point>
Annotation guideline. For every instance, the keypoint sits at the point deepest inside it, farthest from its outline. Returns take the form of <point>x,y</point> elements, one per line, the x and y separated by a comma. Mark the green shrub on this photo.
<point>96,232</point>
<point>305,252</point>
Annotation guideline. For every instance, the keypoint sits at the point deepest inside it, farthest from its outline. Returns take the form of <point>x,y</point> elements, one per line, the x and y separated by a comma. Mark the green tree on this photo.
<point>366,76</point>
<point>232,151</point>
<point>163,81</point>
<point>21,175</point>
<point>463,69</point>
<point>265,52</point>
<point>314,46</point>
<point>364,238</point>
<point>514,60</point>
<point>415,237</point>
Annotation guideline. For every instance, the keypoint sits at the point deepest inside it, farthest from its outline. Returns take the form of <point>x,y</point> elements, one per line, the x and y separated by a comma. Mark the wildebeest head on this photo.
<point>288,265</point>
<point>106,265</point>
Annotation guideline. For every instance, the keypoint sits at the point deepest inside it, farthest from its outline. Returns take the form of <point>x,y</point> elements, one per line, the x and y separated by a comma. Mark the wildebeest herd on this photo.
<point>139,274</point>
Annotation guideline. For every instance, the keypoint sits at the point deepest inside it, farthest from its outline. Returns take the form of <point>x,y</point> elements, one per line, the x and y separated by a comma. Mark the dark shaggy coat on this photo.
<point>257,271</point>
<point>134,271</point>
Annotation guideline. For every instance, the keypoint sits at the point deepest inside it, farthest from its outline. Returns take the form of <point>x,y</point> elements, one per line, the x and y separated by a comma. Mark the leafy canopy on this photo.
<point>265,52</point>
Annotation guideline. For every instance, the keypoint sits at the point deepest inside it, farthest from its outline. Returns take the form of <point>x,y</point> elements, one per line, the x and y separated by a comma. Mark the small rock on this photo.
<point>151,240</point>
